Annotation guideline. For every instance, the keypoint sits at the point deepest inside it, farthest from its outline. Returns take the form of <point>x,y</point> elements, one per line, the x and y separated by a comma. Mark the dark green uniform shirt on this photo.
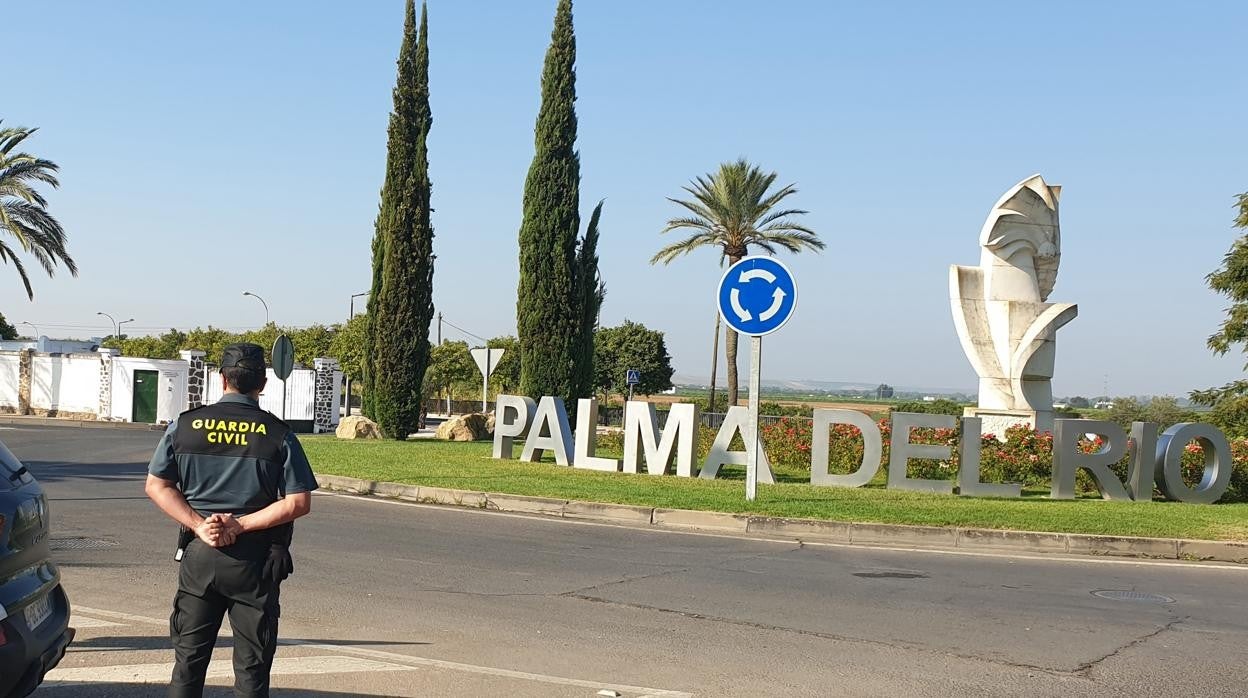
<point>232,458</point>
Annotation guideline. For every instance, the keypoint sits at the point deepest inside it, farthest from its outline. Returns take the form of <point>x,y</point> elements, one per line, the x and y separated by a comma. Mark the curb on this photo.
<point>841,532</point>
<point>18,420</point>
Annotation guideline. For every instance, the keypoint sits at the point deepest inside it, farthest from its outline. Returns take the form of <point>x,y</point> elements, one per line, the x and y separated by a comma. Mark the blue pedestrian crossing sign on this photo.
<point>757,295</point>
<point>633,377</point>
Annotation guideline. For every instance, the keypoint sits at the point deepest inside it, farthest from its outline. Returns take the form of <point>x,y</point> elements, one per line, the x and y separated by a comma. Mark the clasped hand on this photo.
<point>219,530</point>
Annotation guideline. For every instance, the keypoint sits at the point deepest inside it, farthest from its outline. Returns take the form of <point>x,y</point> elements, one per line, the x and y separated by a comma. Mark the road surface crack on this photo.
<point>482,594</point>
<point>575,593</point>
<point>827,636</point>
<point>1086,668</point>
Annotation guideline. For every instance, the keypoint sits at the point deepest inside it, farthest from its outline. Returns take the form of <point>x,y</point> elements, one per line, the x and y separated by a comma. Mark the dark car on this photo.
<point>34,611</point>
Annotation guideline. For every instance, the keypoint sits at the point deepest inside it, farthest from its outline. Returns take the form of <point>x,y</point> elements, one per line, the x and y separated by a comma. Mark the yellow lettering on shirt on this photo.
<point>228,432</point>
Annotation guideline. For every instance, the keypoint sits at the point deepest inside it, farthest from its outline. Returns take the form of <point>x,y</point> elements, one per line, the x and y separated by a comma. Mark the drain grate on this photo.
<point>1139,596</point>
<point>80,544</point>
<point>890,575</point>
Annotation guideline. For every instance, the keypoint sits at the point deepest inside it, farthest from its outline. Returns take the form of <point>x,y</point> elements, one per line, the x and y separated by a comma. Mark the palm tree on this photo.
<point>23,212</point>
<point>732,210</point>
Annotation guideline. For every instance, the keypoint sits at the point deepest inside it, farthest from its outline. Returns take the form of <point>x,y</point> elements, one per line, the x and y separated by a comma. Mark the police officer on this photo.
<point>236,477</point>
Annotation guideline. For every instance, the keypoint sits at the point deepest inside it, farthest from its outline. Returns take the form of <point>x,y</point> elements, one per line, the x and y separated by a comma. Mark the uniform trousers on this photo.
<point>212,582</point>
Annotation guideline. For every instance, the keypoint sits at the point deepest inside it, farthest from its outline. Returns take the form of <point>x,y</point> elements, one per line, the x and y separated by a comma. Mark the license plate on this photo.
<point>39,611</point>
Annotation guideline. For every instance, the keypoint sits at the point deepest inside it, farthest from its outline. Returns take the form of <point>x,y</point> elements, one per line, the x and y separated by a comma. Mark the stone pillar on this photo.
<point>106,382</point>
<point>197,379</point>
<point>323,414</point>
<point>25,361</point>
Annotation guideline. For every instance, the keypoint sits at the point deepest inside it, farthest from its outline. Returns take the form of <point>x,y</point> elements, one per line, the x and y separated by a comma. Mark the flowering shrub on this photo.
<point>788,441</point>
<point>1024,456</point>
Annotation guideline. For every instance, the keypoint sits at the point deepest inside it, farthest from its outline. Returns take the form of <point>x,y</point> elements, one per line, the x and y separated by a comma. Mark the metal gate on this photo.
<point>300,395</point>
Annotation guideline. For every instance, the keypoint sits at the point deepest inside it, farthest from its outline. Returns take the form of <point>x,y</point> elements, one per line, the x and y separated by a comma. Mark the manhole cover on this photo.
<point>80,544</point>
<point>1117,595</point>
<point>890,575</point>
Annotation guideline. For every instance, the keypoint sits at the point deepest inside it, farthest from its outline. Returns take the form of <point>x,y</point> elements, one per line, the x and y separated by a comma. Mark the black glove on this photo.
<point>278,565</point>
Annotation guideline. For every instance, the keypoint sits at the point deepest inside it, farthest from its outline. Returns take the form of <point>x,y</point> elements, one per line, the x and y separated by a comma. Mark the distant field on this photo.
<point>871,407</point>
<point>868,406</point>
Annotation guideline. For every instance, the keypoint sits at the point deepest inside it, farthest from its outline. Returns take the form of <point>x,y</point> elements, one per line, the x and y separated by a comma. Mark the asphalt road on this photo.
<point>408,600</point>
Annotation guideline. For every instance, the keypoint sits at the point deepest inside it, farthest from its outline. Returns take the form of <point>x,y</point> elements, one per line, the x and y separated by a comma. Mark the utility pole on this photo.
<point>448,391</point>
<point>351,314</point>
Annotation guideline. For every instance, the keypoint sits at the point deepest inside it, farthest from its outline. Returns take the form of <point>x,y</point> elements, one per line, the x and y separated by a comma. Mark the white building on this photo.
<point>44,345</point>
<point>106,387</point>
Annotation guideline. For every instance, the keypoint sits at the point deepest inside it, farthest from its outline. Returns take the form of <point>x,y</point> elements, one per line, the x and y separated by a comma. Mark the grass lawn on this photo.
<point>468,466</point>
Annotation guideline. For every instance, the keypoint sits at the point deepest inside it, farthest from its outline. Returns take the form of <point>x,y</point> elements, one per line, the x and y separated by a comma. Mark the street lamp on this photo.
<point>32,325</point>
<point>266,305</point>
<point>119,327</point>
<point>348,385</point>
<point>353,297</point>
<point>116,327</point>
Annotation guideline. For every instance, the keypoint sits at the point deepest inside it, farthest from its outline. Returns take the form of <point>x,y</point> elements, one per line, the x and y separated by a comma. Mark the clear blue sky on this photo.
<point>212,148</point>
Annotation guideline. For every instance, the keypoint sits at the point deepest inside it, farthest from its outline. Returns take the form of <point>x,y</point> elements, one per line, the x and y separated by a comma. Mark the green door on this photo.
<point>145,384</point>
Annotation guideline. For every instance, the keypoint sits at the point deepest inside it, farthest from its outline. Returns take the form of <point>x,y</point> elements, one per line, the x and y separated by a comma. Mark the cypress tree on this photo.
<point>370,313</point>
<point>547,309</point>
<point>401,307</point>
<point>589,295</point>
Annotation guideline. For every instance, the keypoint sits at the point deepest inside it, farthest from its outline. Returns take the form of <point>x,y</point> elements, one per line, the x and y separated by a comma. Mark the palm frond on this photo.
<point>689,244</point>
<point>695,208</point>
<point>733,210</point>
<point>766,245</point>
<point>27,168</point>
<point>23,210</point>
<point>777,215</point>
<point>7,255</point>
<point>12,137</point>
<point>696,223</point>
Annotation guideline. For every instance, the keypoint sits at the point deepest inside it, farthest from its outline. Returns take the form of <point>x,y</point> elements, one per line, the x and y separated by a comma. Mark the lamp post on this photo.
<point>35,328</point>
<point>353,297</point>
<point>266,305</point>
<point>351,315</point>
<point>119,327</point>
<point>116,327</point>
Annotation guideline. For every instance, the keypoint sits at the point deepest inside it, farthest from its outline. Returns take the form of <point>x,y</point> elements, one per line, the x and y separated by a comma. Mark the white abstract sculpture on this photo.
<point>1006,326</point>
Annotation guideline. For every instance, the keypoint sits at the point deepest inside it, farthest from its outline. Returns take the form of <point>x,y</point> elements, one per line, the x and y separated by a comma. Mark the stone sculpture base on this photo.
<point>995,422</point>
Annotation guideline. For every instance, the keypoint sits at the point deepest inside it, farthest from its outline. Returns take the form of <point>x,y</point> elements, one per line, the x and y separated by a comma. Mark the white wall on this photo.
<point>300,394</point>
<point>171,395</point>
<point>10,373</point>
<point>65,383</point>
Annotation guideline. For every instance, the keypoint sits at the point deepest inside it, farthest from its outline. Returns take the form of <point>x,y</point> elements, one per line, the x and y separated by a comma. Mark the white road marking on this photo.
<point>790,541</point>
<point>217,669</point>
<point>85,622</point>
<point>406,660</point>
<point>146,620</point>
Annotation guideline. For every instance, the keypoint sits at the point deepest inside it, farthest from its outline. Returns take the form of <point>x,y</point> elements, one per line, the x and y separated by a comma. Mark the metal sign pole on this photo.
<point>485,382</point>
<point>283,399</point>
<point>624,412</point>
<point>756,372</point>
